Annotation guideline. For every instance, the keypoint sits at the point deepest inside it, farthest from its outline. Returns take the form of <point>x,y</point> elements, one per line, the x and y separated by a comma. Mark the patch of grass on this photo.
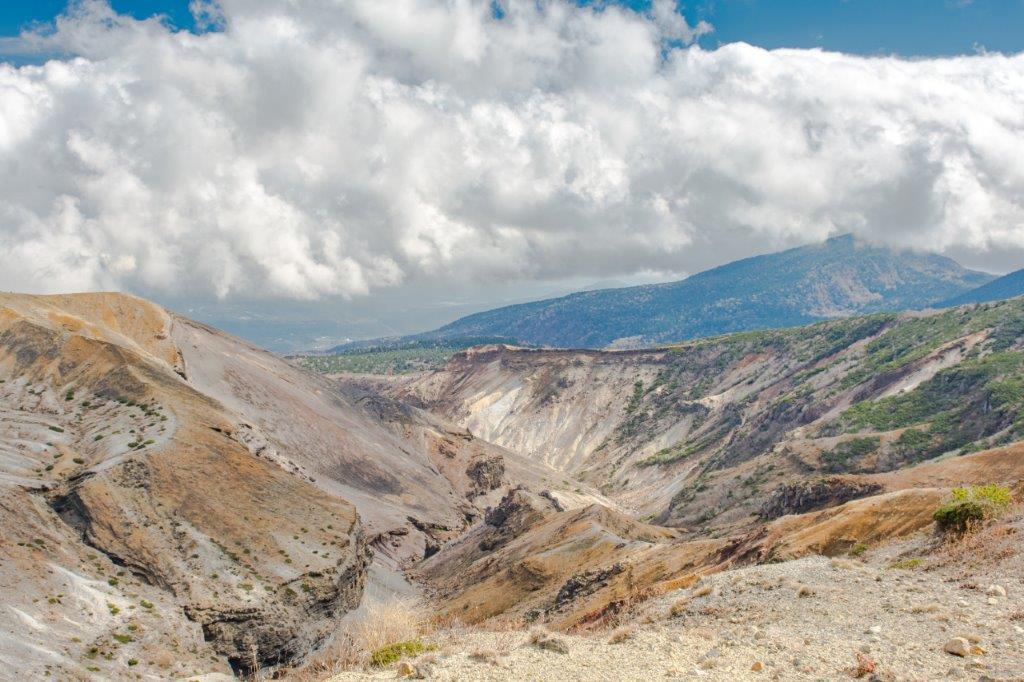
<point>636,397</point>
<point>845,455</point>
<point>906,564</point>
<point>386,655</point>
<point>674,454</point>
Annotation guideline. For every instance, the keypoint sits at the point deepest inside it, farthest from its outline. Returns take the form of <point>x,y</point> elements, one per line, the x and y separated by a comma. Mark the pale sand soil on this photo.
<point>899,618</point>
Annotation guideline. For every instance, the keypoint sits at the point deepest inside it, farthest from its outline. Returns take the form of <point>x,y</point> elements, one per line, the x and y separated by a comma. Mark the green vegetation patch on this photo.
<point>960,405</point>
<point>972,505</point>
<point>387,655</point>
<point>914,338</point>
<point>845,455</point>
<point>678,452</point>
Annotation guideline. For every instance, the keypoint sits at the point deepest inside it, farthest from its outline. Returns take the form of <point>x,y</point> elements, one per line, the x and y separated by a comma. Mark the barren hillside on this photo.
<point>178,502</point>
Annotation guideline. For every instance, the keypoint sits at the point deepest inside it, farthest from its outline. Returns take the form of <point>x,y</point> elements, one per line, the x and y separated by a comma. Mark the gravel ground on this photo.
<point>814,618</point>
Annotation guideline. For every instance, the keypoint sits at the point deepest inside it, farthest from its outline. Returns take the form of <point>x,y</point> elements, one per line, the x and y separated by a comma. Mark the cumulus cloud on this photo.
<point>320,147</point>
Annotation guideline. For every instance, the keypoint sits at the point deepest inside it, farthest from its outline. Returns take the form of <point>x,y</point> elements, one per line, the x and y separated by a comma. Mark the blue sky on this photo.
<point>904,27</point>
<point>16,14</point>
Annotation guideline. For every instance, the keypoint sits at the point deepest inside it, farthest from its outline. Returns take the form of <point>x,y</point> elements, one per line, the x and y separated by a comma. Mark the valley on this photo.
<point>179,503</point>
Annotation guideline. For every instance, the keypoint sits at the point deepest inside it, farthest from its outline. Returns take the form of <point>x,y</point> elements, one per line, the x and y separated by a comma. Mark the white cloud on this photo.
<point>320,147</point>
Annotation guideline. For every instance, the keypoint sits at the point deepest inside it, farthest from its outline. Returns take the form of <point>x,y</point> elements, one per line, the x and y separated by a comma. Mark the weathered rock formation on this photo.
<point>804,496</point>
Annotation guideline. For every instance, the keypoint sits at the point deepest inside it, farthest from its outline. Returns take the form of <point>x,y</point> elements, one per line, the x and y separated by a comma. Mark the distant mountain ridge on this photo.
<point>839,277</point>
<point>1007,286</point>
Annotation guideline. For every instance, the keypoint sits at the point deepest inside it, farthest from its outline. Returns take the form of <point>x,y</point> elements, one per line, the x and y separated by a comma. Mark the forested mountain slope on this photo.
<point>840,277</point>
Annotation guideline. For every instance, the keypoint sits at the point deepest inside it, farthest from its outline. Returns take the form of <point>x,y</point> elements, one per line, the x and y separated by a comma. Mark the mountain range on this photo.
<point>1007,286</point>
<point>841,277</point>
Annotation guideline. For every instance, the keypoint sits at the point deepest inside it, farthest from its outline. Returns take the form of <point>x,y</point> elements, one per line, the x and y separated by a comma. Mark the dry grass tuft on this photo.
<point>622,634</point>
<point>542,639</point>
<point>386,623</point>
<point>930,607</point>
<point>484,655</point>
<point>336,657</point>
<point>678,607</point>
<point>381,625</point>
<point>701,591</point>
<point>983,545</point>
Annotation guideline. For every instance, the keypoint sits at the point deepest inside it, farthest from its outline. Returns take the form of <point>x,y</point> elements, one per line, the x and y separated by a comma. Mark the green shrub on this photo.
<point>995,495</point>
<point>973,505</point>
<point>845,455</point>
<point>906,564</point>
<point>386,655</point>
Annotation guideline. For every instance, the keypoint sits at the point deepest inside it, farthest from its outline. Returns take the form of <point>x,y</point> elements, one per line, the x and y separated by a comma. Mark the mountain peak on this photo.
<point>844,275</point>
<point>847,238</point>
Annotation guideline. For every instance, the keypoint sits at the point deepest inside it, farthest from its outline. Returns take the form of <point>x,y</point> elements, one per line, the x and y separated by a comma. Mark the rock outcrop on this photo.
<point>804,496</point>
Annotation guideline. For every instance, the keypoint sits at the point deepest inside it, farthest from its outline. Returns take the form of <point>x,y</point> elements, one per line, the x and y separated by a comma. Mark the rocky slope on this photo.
<point>177,502</point>
<point>911,610</point>
<point>842,276</point>
<point>696,435</point>
<point>751,448</point>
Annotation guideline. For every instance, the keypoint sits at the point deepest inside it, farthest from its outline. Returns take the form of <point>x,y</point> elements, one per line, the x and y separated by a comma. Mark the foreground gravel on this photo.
<point>814,619</point>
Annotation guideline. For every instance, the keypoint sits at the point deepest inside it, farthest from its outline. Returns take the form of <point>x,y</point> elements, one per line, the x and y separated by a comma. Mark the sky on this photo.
<point>939,27</point>
<point>311,171</point>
